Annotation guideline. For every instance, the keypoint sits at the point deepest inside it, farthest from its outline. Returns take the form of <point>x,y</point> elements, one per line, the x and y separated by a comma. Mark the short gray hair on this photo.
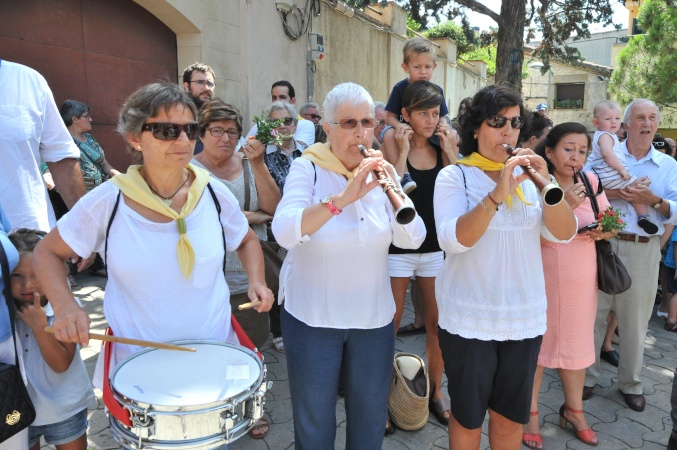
<point>627,115</point>
<point>345,93</point>
<point>147,101</point>
<point>281,106</point>
<point>379,106</point>
<point>304,109</point>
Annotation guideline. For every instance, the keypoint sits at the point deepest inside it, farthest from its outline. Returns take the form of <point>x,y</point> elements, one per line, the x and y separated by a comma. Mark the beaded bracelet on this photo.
<point>486,208</point>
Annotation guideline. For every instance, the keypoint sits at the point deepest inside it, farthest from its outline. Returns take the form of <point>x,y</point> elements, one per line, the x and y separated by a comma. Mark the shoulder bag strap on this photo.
<point>223,233</point>
<point>7,292</point>
<point>247,192</point>
<point>110,222</point>
<point>465,185</point>
<point>589,193</point>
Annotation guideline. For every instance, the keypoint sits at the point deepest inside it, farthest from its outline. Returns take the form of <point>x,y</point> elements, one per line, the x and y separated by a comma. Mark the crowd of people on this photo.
<point>503,280</point>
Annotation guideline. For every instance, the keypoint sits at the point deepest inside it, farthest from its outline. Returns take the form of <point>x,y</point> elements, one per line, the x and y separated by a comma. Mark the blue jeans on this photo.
<point>315,359</point>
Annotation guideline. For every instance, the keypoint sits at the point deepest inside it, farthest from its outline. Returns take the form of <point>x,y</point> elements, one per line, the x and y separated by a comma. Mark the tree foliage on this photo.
<point>463,36</point>
<point>646,66</point>
<point>554,21</point>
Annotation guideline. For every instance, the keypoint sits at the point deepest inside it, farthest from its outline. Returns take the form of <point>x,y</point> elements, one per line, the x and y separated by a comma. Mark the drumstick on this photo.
<point>139,342</point>
<point>249,305</point>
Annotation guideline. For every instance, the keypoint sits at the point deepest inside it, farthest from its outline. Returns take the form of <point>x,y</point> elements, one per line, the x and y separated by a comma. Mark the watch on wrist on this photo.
<point>328,201</point>
<point>658,204</point>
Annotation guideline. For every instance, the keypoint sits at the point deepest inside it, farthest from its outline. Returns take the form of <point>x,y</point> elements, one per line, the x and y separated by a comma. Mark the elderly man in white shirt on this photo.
<point>639,252</point>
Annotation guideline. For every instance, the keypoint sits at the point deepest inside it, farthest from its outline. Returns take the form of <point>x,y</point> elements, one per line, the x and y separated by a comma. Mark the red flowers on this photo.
<point>610,220</point>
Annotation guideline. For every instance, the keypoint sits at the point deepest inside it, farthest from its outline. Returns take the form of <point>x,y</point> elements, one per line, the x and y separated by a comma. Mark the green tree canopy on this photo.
<point>646,66</point>
<point>464,37</point>
<point>555,20</point>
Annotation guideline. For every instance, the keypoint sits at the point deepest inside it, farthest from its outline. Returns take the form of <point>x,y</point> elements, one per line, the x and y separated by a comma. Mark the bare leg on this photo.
<point>611,324</point>
<point>399,288</point>
<point>572,383</point>
<point>417,301</point>
<point>435,364</point>
<point>78,444</point>
<point>461,438</point>
<point>672,308</point>
<point>533,427</point>
<point>504,434</point>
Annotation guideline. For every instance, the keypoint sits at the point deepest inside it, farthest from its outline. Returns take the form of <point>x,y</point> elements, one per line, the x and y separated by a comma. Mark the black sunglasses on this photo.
<point>349,124</point>
<point>315,116</point>
<point>499,121</point>
<point>658,144</point>
<point>286,121</point>
<point>171,131</point>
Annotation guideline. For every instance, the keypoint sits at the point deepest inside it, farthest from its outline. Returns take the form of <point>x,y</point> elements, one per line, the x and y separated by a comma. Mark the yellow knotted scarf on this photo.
<point>482,163</point>
<point>135,187</point>
<point>322,155</point>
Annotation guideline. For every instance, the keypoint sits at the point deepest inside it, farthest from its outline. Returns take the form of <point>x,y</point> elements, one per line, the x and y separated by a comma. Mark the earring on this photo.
<point>474,135</point>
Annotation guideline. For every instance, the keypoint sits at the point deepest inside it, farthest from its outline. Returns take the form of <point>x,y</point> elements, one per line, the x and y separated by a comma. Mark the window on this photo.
<point>635,28</point>
<point>569,95</point>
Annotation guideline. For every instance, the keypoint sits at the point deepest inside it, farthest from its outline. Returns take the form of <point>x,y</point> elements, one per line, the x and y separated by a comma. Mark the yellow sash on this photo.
<point>135,187</point>
<point>321,155</point>
<point>482,163</point>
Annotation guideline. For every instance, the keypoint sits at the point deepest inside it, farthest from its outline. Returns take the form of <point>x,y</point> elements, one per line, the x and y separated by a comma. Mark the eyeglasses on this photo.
<point>171,131</point>
<point>349,124</point>
<point>314,116</point>
<point>86,116</point>
<point>499,121</point>
<point>218,132</point>
<point>380,122</point>
<point>286,121</point>
<point>207,83</point>
<point>659,144</point>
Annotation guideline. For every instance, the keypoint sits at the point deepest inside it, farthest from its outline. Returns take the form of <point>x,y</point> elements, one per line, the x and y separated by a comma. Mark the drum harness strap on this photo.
<point>114,407</point>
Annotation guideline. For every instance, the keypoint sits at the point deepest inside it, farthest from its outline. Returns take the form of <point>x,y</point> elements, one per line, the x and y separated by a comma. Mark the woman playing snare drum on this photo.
<point>164,246</point>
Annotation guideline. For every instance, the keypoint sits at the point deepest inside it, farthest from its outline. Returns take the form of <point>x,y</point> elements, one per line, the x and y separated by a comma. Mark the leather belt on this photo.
<point>632,238</point>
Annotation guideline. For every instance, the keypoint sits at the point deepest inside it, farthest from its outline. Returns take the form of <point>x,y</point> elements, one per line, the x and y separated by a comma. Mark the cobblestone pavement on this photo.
<point>617,426</point>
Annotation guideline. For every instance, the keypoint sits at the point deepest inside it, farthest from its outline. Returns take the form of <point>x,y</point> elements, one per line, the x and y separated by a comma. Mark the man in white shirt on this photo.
<point>31,132</point>
<point>638,251</point>
<point>283,91</point>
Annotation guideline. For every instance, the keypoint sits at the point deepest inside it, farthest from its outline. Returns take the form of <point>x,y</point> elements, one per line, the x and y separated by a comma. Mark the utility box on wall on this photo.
<point>316,46</point>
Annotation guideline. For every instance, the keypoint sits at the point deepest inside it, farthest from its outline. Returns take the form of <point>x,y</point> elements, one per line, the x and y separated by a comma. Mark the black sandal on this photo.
<point>439,407</point>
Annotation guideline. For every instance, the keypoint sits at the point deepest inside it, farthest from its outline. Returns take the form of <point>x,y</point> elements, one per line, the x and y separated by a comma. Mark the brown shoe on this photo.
<point>670,326</point>
<point>636,402</point>
<point>587,392</point>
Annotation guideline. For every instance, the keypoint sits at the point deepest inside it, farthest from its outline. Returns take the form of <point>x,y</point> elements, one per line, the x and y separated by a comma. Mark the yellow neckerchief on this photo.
<point>135,187</point>
<point>482,163</point>
<point>322,155</point>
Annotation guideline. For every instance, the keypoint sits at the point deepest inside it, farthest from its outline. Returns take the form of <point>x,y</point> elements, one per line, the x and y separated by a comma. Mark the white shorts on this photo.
<point>416,264</point>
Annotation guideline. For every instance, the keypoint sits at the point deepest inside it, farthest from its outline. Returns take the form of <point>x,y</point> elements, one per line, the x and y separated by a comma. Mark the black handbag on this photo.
<point>16,408</point>
<point>612,276</point>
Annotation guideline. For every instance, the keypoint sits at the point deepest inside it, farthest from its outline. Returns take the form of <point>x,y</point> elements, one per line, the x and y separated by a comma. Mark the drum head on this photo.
<point>215,372</point>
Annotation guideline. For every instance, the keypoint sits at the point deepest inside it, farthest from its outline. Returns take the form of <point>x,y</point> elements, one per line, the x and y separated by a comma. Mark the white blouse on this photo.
<point>494,290</point>
<point>338,277</point>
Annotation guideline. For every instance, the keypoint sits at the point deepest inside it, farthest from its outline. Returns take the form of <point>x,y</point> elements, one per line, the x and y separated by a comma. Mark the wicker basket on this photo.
<point>408,410</point>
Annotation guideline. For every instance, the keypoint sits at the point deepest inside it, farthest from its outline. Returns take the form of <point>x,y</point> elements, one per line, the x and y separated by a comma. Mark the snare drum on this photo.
<point>182,400</point>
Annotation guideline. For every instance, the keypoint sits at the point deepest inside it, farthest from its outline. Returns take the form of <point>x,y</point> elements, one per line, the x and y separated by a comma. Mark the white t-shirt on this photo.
<point>56,396</point>
<point>147,296</point>
<point>338,277</point>
<point>305,131</point>
<point>31,131</point>
<point>494,290</point>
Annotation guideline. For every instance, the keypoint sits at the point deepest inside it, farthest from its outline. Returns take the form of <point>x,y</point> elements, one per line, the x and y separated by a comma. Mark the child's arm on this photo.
<point>58,355</point>
<point>394,120</point>
<point>606,147</point>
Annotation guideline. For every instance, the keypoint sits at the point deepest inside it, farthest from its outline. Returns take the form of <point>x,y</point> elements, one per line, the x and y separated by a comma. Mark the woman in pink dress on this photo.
<point>571,285</point>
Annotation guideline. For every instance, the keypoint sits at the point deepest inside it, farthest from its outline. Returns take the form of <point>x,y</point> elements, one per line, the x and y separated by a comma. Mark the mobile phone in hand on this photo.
<point>592,226</point>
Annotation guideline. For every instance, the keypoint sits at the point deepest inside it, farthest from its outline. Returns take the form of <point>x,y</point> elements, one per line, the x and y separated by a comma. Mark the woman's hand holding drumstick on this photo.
<point>139,342</point>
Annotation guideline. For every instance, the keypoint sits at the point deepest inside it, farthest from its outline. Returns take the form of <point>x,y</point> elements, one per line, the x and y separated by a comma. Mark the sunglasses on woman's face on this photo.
<point>499,121</point>
<point>286,121</point>
<point>171,131</point>
<point>349,124</point>
<point>659,144</point>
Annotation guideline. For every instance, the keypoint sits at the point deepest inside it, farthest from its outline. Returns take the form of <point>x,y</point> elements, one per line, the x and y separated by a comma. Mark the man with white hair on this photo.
<point>638,250</point>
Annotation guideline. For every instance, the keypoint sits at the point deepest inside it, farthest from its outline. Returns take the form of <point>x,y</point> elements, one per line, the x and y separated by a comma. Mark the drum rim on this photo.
<point>160,408</point>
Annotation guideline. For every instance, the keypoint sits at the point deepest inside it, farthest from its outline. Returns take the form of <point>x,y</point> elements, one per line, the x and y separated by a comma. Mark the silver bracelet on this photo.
<point>486,208</point>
